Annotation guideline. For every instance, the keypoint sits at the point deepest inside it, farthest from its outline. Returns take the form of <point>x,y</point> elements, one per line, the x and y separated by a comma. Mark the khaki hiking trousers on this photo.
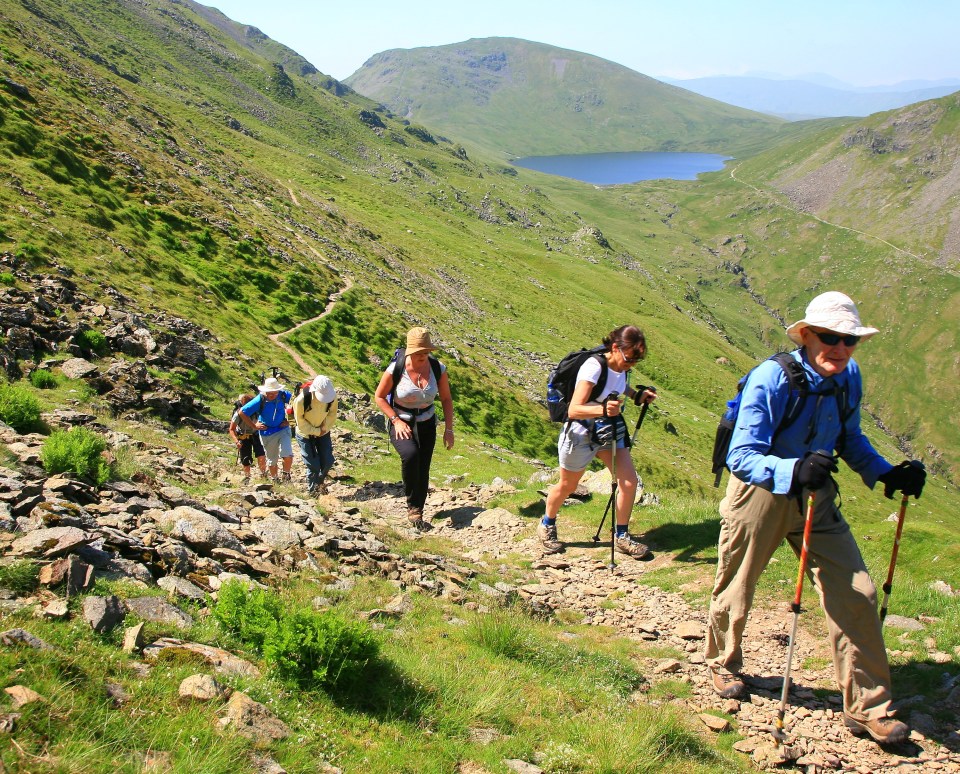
<point>753,523</point>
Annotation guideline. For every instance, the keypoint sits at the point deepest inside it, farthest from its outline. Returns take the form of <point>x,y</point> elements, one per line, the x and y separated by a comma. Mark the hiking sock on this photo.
<point>622,530</point>
<point>548,522</point>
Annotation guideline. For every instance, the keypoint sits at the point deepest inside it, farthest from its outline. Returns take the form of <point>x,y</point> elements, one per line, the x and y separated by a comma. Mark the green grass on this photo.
<point>440,686</point>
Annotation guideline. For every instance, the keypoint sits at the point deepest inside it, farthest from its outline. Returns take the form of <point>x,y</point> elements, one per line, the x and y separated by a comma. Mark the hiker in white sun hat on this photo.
<point>834,312</point>
<point>270,409</point>
<point>315,412</point>
<point>775,469</point>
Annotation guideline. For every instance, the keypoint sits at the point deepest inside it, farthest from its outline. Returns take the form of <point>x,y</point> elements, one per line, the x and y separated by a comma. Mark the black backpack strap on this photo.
<point>399,358</point>
<point>796,382</point>
<point>597,390</point>
<point>845,409</point>
<point>399,363</point>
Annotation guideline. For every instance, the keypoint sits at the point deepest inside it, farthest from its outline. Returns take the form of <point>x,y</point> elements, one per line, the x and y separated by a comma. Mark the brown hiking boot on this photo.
<point>548,539</point>
<point>415,517</point>
<point>627,545</point>
<point>883,730</point>
<point>727,685</point>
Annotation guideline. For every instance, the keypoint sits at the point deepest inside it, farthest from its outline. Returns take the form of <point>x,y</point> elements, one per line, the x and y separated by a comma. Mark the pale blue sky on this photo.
<point>861,42</point>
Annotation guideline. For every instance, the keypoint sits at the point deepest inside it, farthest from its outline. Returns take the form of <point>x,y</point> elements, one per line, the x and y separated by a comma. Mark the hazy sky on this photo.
<point>861,42</point>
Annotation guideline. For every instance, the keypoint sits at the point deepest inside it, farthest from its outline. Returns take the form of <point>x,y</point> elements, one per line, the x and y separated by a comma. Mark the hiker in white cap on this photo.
<point>315,412</point>
<point>269,407</point>
<point>773,470</point>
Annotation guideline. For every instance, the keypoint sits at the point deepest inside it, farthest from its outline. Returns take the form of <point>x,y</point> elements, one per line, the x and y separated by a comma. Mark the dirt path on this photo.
<point>733,175</point>
<point>580,581</point>
<point>275,337</point>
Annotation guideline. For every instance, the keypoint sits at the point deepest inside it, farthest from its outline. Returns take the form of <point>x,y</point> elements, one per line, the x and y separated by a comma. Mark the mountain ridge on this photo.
<point>567,101</point>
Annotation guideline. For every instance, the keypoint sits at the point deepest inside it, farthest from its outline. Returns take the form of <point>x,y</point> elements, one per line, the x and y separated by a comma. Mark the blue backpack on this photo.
<point>799,390</point>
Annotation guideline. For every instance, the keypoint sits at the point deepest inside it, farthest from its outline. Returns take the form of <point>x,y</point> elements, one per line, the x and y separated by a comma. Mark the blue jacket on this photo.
<point>764,402</point>
<point>272,412</point>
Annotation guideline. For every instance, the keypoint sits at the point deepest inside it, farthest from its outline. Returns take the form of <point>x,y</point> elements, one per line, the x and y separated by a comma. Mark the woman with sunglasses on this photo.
<point>773,470</point>
<point>579,443</point>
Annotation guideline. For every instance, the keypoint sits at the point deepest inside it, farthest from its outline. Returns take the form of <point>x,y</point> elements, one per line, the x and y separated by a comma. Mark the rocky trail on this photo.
<point>174,546</point>
<point>151,533</point>
<point>580,580</point>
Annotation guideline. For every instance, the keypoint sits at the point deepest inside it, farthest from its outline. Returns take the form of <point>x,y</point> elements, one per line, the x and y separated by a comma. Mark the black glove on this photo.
<point>813,470</point>
<point>638,395</point>
<point>909,477</point>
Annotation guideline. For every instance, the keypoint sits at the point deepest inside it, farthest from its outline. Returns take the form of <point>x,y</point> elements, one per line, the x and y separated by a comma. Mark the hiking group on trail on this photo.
<point>794,416</point>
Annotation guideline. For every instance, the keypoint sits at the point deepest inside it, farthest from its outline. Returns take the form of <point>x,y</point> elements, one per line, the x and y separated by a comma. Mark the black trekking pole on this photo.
<point>643,413</point>
<point>613,498</point>
<point>612,502</point>
<point>777,730</point>
<point>888,586</point>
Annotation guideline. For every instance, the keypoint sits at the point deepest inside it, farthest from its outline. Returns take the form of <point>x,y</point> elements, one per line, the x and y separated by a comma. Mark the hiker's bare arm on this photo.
<point>580,409</point>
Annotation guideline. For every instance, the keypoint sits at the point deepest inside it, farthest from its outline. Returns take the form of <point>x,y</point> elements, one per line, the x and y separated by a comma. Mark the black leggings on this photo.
<point>416,454</point>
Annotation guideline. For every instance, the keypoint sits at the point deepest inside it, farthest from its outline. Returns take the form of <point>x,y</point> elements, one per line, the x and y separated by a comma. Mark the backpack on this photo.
<point>563,380</point>
<point>304,387</point>
<point>398,362</point>
<point>799,390</point>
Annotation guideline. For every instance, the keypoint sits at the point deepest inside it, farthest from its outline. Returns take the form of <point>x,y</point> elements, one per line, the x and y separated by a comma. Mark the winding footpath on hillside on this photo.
<point>808,213</point>
<point>275,338</point>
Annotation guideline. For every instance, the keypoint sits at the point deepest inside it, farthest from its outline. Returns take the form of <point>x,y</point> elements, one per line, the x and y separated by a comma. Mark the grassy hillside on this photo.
<point>517,98</point>
<point>148,153</point>
<point>157,151</point>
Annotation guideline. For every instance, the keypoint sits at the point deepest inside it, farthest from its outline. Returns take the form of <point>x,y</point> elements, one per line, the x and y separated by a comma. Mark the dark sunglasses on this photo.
<point>832,339</point>
<point>630,360</point>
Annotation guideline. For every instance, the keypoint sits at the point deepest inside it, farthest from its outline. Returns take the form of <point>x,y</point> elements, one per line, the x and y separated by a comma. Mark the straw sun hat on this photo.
<point>418,340</point>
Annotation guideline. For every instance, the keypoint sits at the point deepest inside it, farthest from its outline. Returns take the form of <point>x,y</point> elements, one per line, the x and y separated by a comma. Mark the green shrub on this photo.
<point>18,408</point>
<point>303,648</point>
<point>21,576</point>
<point>6,278</point>
<point>320,650</point>
<point>77,451</point>
<point>93,341</point>
<point>43,380</point>
<point>247,613</point>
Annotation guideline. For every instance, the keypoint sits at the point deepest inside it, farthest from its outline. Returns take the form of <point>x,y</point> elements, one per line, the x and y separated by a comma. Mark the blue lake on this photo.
<point>619,168</point>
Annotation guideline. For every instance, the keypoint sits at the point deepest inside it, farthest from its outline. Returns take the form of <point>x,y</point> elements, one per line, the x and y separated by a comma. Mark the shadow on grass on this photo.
<point>687,542</point>
<point>387,695</point>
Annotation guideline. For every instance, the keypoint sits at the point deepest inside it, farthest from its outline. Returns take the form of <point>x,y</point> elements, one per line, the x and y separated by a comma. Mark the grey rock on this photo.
<point>13,637</point>
<point>222,661</point>
<point>201,688</point>
<point>51,542</point>
<point>279,533</point>
<point>198,528</point>
<point>252,719</point>
<point>901,622</point>
<point>521,767</point>
<point>158,610</point>
<point>177,586</point>
<point>102,613</point>
<point>78,368</point>
<point>133,639</point>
